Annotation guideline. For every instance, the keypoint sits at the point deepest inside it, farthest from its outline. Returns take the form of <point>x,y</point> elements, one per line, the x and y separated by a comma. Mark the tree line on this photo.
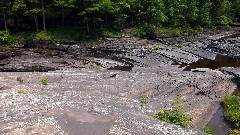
<point>90,14</point>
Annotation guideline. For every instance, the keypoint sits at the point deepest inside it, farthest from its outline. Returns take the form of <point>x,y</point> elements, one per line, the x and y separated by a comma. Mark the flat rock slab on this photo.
<point>231,70</point>
<point>84,97</point>
<point>200,52</point>
<point>106,102</point>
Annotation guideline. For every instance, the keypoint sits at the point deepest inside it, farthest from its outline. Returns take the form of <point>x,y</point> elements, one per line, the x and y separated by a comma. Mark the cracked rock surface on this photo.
<point>75,101</point>
<point>97,89</point>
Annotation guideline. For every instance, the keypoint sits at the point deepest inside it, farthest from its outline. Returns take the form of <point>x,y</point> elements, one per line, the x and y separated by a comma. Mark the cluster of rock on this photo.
<point>85,97</point>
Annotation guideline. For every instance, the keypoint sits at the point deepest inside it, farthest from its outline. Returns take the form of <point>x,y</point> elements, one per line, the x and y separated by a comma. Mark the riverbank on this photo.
<point>82,92</point>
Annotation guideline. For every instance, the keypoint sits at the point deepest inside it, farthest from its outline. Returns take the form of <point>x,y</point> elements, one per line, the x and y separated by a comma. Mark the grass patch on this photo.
<point>6,39</point>
<point>44,81</point>
<point>22,91</point>
<point>231,106</point>
<point>208,131</point>
<point>95,66</point>
<point>176,115</point>
<point>143,99</point>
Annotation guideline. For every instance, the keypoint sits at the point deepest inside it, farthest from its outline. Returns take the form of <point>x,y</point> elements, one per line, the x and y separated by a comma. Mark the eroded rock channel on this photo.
<point>96,89</point>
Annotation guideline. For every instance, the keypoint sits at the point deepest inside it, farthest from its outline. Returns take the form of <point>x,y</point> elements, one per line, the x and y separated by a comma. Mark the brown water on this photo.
<point>218,123</point>
<point>237,91</point>
<point>121,68</point>
<point>220,61</point>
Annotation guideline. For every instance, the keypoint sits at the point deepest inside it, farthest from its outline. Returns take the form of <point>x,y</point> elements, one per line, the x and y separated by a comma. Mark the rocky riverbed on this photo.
<point>97,88</point>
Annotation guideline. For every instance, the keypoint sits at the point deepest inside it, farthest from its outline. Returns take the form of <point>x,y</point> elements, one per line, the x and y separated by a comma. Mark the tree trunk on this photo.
<point>75,20</point>
<point>15,20</point>
<point>36,21</point>
<point>132,21</point>
<point>43,16</point>
<point>5,22</point>
<point>62,17</point>
<point>106,18</point>
<point>53,23</point>
<point>88,27</point>
<point>21,23</point>
<point>57,22</point>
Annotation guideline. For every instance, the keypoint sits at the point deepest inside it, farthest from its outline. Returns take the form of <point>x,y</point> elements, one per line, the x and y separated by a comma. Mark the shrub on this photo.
<point>234,132</point>
<point>208,130</point>
<point>143,99</point>
<point>44,81</point>
<point>6,39</point>
<point>95,66</point>
<point>42,35</point>
<point>145,30</point>
<point>22,91</point>
<point>176,115</point>
<point>231,106</point>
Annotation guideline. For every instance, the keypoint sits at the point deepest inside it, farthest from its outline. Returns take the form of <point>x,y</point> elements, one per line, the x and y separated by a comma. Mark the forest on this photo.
<point>97,16</point>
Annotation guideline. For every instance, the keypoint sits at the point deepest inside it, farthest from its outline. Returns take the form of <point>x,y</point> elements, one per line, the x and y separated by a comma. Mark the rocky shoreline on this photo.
<point>87,95</point>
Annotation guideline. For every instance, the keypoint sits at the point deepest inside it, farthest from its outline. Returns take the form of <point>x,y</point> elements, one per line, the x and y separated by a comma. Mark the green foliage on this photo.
<point>234,132</point>
<point>20,80</point>
<point>148,30</point>
<point>32,7</point>
<point>22,91</point>
<point>42,35</point>
<point>5,7</point>
<point>6,39</point>
<point>95,66</point>
<point>176,115</point>
<point>235,10</point>
<point>44,81</point>
<point>231,106</point>
<point>208,131</point>
<point>221,12</point>
<point>204,14</point>
<point>95,18</point>
<point>156,47</point>
<point>143,99</point>
<point>67,34</point>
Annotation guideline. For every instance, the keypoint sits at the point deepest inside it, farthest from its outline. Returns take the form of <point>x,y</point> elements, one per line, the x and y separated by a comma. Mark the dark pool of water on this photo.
<point>220,61</point>
<point>218,123</point>
<point>121,68</point>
